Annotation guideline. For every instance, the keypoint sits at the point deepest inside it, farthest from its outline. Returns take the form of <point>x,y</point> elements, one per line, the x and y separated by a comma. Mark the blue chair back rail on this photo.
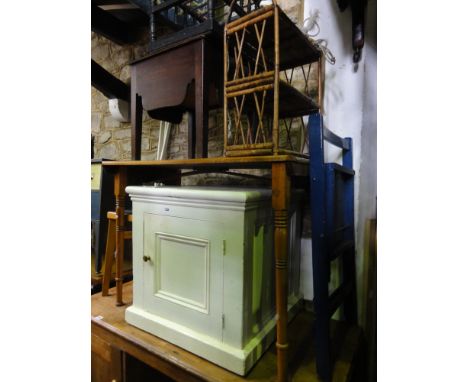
<point>332,218</point>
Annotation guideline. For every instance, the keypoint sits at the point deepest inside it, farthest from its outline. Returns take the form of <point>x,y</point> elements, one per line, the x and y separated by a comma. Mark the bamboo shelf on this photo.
<point>262,109</point>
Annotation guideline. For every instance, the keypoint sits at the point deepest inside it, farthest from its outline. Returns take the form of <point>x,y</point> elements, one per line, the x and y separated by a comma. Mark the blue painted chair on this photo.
<point>332,215</point>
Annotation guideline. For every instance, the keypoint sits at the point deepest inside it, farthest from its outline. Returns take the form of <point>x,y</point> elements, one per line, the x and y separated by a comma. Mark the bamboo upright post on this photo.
<point>320,78</point>
<point>226,55</point>
<point>276,83</point>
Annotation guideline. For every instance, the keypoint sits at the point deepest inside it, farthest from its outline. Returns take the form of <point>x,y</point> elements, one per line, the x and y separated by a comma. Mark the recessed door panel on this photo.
<point>187,284</point>
<point>183,271</point>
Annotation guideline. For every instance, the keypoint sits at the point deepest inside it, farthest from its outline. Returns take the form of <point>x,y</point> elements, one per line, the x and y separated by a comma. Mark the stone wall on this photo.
<point>111,137</point>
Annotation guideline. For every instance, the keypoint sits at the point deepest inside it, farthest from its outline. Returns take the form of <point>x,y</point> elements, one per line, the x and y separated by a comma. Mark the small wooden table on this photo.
<point>183,76</point>
<point>123,352</point>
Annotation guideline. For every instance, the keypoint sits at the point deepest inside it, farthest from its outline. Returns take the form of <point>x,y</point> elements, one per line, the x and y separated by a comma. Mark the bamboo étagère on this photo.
<point>264,102</point>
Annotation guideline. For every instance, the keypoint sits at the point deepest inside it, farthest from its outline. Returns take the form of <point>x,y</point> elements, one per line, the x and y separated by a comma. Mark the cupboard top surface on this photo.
<point>228,194</point>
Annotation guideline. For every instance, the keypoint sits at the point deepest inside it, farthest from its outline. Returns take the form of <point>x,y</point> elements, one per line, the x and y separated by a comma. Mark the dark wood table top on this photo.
<point>167,43</point>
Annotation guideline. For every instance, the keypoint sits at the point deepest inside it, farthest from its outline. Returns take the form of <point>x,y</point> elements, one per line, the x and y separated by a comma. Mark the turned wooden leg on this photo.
<point>109,256</point>
<point>191,135</point>
<point>120,181</point>
<point>280,202</point>
<point>201,101</point>
<point>136,122</point>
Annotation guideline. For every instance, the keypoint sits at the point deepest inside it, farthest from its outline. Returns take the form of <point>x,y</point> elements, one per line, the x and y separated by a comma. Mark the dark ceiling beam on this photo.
<point>145,5</point>
<point>109,26</point>
<point>160,19</point>
<point>107,84</point>
<point>109,2</point>
<point>118,7</point>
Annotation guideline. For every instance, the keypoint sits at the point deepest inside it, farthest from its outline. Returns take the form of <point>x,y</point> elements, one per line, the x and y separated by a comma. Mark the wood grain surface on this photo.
<point>108,326</point>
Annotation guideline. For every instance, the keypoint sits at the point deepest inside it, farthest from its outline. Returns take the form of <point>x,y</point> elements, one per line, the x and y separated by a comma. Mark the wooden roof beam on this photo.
<point>109,26</point>
<point>107,84</point>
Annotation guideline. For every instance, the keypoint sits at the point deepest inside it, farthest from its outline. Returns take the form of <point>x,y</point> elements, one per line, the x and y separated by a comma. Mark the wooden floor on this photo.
<point>108,323</point>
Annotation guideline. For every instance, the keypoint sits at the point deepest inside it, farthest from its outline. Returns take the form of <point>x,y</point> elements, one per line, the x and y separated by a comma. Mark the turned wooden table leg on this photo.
<point>136,115</point>
<point>191,134</point>
<point>109,256</point>
<point>280,201</point>
<point>120,181</point>
<point>201,99</point>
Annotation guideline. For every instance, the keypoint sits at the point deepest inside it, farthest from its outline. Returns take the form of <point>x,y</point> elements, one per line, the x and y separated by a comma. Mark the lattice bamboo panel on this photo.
<point>267,89</point>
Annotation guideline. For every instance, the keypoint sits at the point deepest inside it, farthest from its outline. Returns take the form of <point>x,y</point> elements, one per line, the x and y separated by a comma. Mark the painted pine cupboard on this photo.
<point>203,270</point>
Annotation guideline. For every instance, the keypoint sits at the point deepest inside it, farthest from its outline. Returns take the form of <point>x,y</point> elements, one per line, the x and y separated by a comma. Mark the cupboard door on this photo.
<point>182,274</point>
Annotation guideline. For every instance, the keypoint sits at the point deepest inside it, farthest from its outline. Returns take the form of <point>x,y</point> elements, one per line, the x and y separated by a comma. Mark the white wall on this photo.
<point>349,111</point>
<point>367,191</point>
